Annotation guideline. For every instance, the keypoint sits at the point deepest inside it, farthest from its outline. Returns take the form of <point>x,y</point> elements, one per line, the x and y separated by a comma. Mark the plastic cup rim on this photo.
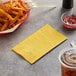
<point>60,54</point>
<point>65,22</point>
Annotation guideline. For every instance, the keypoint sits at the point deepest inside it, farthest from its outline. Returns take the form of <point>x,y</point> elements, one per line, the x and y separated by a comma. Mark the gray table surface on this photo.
<point>12,64</point>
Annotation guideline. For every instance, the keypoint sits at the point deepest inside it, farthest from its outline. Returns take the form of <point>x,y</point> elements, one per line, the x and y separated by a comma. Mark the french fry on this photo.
<point>3,20</point>
<point>16,8</point>
<point>4,27</point>
<point>14,12</point>
<point>15,19</point>
<point>23,4</point>
<point>0,25</point>
<point>6,14</point>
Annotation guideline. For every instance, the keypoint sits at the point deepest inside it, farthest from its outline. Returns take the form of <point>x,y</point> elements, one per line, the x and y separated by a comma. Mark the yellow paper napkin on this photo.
<point>39,43</point>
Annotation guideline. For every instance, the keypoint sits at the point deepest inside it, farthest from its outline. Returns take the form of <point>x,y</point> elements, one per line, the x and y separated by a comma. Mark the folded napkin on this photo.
<point>39,43</point>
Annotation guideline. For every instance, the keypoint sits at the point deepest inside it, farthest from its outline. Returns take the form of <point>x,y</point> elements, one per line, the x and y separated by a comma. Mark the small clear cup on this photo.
<point>67,16</point>
<point>67,68</point>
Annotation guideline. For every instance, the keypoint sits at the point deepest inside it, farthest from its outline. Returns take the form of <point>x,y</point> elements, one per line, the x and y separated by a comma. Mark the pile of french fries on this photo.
<point>12,14</point>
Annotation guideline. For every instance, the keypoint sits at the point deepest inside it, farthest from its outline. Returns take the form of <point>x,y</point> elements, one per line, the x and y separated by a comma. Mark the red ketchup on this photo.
<point>69,22</point>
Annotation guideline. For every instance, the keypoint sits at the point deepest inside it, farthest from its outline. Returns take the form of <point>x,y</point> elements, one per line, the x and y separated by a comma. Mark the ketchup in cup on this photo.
<point>69,21</point>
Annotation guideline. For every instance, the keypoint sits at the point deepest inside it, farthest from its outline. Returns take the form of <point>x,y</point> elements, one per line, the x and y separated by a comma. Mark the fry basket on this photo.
<point>16,26</point>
